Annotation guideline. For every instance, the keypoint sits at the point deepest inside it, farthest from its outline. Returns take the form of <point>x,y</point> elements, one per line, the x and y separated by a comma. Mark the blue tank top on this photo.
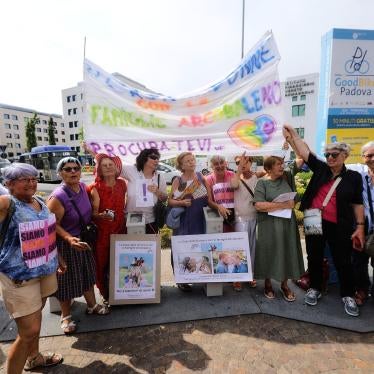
<point>12,263</point>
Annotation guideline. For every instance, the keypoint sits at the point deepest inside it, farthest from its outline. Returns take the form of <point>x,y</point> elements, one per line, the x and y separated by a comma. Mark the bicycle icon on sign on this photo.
<point>357,64</point>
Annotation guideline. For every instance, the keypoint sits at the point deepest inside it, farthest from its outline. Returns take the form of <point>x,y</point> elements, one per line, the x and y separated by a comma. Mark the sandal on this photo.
<point>99,309</point>
<point>68,327</point>
<point>184,287</point>
<point>360,297</point>
<point>43,361</point>
<point>288,295</point>
<point>269,292</point>
<point>253,283</point>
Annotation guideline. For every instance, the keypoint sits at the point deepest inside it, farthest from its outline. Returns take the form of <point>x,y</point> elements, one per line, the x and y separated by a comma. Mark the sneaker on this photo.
<point>350,306</point>
<point>237,286</point>
<point>311,297</point>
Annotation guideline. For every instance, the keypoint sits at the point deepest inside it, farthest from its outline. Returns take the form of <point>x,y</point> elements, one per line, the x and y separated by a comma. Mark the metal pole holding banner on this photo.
<point>243,18</point>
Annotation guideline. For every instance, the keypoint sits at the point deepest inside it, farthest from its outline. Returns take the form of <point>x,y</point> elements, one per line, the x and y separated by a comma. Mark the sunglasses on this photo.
<point>154,157</point>
<point>370,155</point>
<point>70,169</point>
<point>333,155</point>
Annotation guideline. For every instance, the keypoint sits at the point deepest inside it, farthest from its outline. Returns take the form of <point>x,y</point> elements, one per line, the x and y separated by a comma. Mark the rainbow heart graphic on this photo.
<point>253,134</point>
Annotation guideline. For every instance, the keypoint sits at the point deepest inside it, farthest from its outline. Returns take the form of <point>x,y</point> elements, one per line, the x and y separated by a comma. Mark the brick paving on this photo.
<point>238,344</point>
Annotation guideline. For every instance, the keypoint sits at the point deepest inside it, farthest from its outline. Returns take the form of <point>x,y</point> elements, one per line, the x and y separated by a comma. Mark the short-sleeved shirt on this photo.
<point>223,193</point>
<point>243,200</point>
<point>12,263</point>
<point>70,221</point>
<point>131,174</point>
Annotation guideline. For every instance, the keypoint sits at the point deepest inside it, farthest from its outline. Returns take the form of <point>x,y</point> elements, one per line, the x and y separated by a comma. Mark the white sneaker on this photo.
<point>350,306</point>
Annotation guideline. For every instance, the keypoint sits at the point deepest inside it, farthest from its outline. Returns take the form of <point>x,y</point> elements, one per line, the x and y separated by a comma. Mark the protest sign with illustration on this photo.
<point>211,258</point>
<point>242,112</point>
<point>134,269</point>
<point>38,241</point>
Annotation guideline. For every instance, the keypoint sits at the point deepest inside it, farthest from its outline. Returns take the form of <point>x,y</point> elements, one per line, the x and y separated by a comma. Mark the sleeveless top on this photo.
<point>70,220</point>
<point>112,198</point>
<point>223,193</point>
<point>12,263</point>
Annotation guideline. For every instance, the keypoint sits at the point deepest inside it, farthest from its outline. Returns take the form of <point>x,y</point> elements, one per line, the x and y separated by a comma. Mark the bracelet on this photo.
<point>360,224</point>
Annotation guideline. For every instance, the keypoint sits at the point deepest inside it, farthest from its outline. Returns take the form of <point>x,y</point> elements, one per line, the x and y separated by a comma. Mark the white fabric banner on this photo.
<point>242,112</point>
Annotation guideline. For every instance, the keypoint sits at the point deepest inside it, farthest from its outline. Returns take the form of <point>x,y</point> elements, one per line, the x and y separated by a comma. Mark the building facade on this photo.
<point>301,101</point>
<point>13,122</point>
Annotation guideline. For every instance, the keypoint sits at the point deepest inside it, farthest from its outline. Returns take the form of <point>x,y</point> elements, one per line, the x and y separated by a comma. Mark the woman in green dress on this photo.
<point>278,249</point>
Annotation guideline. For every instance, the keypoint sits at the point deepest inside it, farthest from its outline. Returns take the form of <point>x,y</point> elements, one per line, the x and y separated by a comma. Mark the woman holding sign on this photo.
<point>28,264</point>
<point>69,202</point>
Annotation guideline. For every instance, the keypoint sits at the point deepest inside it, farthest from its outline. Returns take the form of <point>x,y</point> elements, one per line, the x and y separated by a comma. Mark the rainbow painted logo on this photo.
<point>253,134</point>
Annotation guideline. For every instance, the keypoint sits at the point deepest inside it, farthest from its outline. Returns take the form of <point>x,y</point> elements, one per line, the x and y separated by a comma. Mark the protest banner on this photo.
<point>38,241</point>
<point>135,267</point>
<point>211,258</point>
<point>242,112</point>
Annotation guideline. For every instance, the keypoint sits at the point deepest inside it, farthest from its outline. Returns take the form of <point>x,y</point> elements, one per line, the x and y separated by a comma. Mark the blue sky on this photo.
<point>171,46</point>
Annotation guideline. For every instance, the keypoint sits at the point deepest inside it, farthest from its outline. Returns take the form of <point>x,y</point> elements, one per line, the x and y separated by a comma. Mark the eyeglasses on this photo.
<point>370,155</point>
<point>154,157</point>
<point>27,180</point>
<point>333,155</point>
<point>70,169</point>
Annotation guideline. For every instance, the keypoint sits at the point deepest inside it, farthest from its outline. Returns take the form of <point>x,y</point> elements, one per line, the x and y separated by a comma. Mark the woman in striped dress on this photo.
<point>79,278</point>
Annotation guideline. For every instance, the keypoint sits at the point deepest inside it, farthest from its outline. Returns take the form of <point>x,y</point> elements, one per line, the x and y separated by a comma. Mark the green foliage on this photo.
<point>165,233</point>
<point>30,132</point>
<point>301,181</point>
<point>51,132</point>
<point>81,134</point>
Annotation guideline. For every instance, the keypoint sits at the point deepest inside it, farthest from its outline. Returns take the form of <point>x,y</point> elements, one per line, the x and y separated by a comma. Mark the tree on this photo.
<point>30,132</point>
<point>51,132</point>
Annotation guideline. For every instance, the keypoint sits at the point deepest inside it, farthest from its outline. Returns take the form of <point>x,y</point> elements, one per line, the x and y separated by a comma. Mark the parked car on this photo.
<point>169,172</point>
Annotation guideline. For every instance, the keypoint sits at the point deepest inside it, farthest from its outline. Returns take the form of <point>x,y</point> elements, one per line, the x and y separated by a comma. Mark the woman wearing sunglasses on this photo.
<point>342,216</point>
<point>79,278</point>
<point>144,175</point>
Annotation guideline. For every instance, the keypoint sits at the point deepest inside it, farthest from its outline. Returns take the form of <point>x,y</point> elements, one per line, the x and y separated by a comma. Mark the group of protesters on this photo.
<point>244,198</point>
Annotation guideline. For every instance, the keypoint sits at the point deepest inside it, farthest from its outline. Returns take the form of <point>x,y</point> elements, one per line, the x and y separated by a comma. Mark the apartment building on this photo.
<point>13,122</point>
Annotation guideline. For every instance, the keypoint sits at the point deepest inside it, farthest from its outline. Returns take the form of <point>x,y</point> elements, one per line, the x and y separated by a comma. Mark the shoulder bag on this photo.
<point>88,231</point>
<point>369,240</point>
<point>313,217</point>
<point>159,209</point>
<point>6,222</point>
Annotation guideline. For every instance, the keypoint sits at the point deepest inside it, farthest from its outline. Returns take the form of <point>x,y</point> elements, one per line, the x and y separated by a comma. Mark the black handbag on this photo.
<point>159,210</point>
<point>89,231</point>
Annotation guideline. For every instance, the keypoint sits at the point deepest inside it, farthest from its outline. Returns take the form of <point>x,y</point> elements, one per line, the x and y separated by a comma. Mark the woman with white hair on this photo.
<point>79,279</point>
<point>27,265</point>
<point>336,193</point>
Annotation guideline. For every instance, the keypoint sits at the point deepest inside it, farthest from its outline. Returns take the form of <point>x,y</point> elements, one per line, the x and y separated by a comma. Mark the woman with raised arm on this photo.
<point>336,193</point>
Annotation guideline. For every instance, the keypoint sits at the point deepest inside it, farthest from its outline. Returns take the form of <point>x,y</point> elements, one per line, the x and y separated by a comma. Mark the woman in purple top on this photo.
<point>79,278</point>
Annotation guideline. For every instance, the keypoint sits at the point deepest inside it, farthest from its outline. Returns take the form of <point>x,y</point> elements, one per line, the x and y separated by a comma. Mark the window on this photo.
<point>7,125</point>
<point>54,123</point>
<point>63,140</point>
<point>81,96</point>
<point>14,117</point>
<point>46,138</point>
<point>76,136</point>
<point>15,127</point>
<point>303,97</point>
<point>16,136</point>
<point>38,129</point>
<point>9,145</point>
<point>44,122</point>
<point>45,130</point>
<point>298,110</point>
<point>71,136</point>
<point>294,98</point>
<point>62,132</point>
<point>75,111</point>
<point>71,124</point>
<point>8,135</point>
<point>19,153</point>
<point>39,138</point>
<point>75,123</point>
<point>56,140</point>
<point>10,154</point>
<point>55,131</point>
<point>69,112</point>
<point>78,149</point>
<point>18,145</point>
<point>300,131</point>
<point>68,99</point>
<point>6,116</point>
<point>73,97</point>
<point>62,125</point>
